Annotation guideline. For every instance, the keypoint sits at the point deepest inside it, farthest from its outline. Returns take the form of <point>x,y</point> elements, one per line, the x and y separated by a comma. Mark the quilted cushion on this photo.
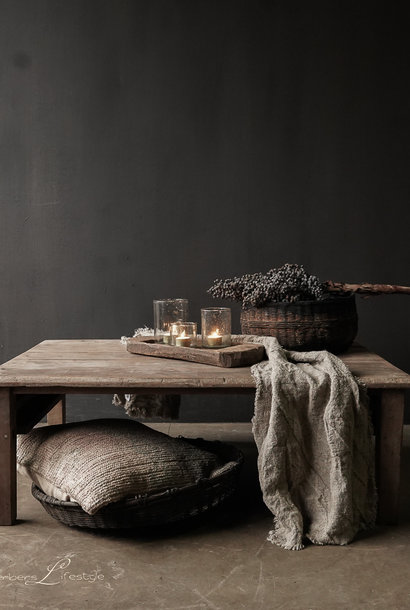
<point>101,461</point>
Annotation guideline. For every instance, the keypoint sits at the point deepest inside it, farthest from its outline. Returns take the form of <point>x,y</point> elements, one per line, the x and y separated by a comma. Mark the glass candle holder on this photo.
<point>216,327</point>
<point>166,312</point>
<point>183,334</point>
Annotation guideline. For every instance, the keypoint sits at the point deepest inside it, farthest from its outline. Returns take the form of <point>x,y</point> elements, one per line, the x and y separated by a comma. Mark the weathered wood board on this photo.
<point>84,365</point>
<point>244,354</point>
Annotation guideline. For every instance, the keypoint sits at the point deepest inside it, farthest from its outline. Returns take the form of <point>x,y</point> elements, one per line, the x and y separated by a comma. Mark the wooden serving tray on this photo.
<point>243,354</point>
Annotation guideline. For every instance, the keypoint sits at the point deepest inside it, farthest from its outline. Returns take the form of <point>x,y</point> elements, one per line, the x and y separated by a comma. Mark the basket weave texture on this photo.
<point>167,506</point>
<point>330,324</point>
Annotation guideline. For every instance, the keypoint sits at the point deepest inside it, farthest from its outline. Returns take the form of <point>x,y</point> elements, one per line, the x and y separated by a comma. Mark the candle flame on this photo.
<point>215,334</point>
<point>182,335</point>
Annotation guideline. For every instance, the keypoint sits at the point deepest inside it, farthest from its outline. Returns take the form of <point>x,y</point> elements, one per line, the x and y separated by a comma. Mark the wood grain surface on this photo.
<point>104,364</point>
<point>8,479</point>
<point>244,354</point>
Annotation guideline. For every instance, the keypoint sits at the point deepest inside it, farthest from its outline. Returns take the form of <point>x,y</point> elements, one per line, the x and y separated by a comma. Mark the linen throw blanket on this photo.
<point>316,455</point>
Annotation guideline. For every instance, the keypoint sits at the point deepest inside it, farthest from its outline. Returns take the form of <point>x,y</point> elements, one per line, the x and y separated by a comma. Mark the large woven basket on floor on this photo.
<point>157,508</point>
<point>330,324</point>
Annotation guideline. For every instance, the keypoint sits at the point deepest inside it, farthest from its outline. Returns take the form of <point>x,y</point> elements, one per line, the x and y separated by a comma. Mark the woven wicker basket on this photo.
<point>158,508</point>
<point>330,324</point>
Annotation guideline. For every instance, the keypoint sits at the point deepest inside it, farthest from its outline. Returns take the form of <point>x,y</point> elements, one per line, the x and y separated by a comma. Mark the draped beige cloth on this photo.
<point>316,453</point>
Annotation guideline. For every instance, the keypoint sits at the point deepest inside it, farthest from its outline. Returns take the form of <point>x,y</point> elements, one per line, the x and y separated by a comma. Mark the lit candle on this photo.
<point>214,339</point>
<point>183,340</point>
<point>166,338</point>
<point>216,327</point>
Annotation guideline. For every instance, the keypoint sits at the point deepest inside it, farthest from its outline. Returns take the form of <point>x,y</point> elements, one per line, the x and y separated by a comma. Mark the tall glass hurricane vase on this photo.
<point>166,312</point>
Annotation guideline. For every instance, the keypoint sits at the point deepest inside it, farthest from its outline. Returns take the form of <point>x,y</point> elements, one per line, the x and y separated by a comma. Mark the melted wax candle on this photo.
<point>183,340</point>
<point>214,339</point>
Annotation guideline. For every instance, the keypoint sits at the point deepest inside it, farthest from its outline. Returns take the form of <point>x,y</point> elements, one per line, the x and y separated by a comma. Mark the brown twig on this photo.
<point>369,289</point>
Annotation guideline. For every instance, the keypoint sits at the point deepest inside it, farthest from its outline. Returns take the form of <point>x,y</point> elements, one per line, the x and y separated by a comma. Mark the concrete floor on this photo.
<point>222,561</point>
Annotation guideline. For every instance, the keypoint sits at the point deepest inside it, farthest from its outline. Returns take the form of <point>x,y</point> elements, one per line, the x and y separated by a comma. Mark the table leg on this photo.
<point>8,489</point>
<point>389,436</point>
<point>57,413</point>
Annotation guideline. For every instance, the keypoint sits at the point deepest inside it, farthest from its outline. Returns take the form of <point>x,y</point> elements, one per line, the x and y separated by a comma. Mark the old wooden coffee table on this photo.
<point>35,383</point>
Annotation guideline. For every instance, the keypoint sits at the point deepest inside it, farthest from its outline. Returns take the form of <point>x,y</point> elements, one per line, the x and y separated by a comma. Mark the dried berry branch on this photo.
<point>288,283</point>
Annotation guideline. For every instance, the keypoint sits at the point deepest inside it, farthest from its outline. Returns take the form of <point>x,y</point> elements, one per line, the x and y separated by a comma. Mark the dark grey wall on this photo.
<point>148,147</point>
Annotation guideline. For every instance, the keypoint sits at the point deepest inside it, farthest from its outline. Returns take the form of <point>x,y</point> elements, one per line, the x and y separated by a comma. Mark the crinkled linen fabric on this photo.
<point>316,456</point>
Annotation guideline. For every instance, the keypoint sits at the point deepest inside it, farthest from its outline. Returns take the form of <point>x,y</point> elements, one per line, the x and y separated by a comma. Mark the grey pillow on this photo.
<point>101,461</point>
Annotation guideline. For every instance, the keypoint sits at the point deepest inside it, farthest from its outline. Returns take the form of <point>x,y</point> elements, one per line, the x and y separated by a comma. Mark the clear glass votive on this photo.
<point>216,327</point>
<point>183,334</point>
<point>166,312</point>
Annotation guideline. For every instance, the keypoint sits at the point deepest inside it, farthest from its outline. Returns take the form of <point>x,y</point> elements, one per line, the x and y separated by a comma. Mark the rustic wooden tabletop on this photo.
<point>106,364</point>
